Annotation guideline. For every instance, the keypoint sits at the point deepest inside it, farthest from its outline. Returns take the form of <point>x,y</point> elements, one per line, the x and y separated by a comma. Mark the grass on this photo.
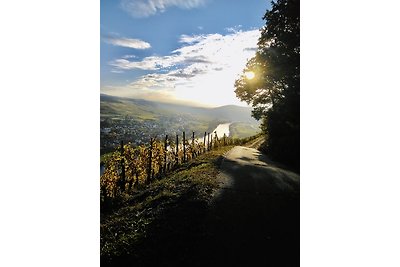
<point>160,222</point>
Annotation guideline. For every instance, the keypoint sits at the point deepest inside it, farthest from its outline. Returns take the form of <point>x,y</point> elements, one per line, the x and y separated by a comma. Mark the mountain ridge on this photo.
<point>145,108</point>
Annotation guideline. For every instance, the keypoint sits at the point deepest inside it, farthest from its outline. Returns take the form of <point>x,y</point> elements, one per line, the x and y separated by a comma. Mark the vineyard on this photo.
<point>130,168</point>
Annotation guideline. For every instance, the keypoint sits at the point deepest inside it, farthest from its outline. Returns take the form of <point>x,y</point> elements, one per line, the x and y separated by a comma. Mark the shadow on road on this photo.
<point>255,218</point>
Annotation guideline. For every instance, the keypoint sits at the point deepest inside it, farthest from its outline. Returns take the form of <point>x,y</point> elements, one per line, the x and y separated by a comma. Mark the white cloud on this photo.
<point>148,63</point>
<point>127,42</point>
<point>129,56</point>
<point>203,69</point>
<point>117,71</point>
<point>145,8</point>
<point>190,39</point>
<point>234,29</point>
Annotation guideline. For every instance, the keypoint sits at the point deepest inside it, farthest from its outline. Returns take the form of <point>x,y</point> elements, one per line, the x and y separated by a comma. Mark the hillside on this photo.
<point>112,106</point>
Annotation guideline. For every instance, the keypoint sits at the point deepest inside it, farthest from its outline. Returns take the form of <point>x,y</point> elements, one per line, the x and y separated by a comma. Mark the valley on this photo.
<point>137,120</point>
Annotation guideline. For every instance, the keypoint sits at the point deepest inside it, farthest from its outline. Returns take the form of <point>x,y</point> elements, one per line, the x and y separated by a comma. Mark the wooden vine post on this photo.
<point>208,142</point>
<point>122,184</point>
<point>177,150</point>
<point>165,153</point>
<point>193,146</point>
<point>184,148</point>
<point>204,142</point>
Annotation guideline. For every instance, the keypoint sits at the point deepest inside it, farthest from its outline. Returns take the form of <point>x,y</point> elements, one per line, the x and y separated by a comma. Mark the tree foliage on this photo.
<point>274,92</point>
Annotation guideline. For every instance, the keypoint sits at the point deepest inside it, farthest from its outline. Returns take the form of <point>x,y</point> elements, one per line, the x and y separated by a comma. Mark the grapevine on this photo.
<point>140,171</point>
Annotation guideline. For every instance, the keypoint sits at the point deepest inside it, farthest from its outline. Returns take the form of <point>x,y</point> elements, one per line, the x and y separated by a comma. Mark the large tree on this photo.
<point>274,91</point>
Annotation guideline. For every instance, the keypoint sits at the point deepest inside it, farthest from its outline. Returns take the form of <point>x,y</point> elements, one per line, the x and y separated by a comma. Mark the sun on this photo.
<point>249,75</point>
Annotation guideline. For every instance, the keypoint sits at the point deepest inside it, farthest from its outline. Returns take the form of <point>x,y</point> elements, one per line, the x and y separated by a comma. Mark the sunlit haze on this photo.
<point>181,51</point>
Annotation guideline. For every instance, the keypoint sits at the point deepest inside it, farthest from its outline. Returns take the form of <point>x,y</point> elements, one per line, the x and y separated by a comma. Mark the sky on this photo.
<point>179,51</point>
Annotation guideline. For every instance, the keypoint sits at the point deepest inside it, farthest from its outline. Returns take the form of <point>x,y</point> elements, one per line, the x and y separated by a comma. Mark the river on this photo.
<point>222,129</point>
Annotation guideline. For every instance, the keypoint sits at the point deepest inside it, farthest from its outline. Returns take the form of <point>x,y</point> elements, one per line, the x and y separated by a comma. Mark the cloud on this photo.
<point>146,8</point>
<point>250,49</point>
<point>127,42</point>
<point>234,29</point>
<point>158,63</point>
<point>196,59</point>
<point>129,56</point>
<point>117,71</point>
<point>187,72</point>
<point>190,39</point>
<point>203,69</point>
<point>157,87</point>
<point>148,63</point>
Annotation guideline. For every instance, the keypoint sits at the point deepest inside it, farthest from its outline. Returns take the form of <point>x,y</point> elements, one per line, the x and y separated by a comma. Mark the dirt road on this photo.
<point>255,217</point>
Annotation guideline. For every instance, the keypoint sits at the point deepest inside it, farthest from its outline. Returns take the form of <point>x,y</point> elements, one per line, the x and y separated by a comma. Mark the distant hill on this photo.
<point>143,109</point>
<point>112,106</point>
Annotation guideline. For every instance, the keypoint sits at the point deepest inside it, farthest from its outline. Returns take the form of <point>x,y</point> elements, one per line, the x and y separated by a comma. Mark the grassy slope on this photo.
<point>160,223</point>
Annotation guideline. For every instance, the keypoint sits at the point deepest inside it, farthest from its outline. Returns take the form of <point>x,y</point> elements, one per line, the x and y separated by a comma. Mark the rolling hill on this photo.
<point>112,106</point>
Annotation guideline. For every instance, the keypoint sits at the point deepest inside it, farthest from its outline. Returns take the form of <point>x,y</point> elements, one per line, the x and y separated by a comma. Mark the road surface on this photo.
<point>255,217</point>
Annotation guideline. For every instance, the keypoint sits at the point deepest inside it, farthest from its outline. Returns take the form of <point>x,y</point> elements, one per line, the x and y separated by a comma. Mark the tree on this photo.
<point>274,92</point>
